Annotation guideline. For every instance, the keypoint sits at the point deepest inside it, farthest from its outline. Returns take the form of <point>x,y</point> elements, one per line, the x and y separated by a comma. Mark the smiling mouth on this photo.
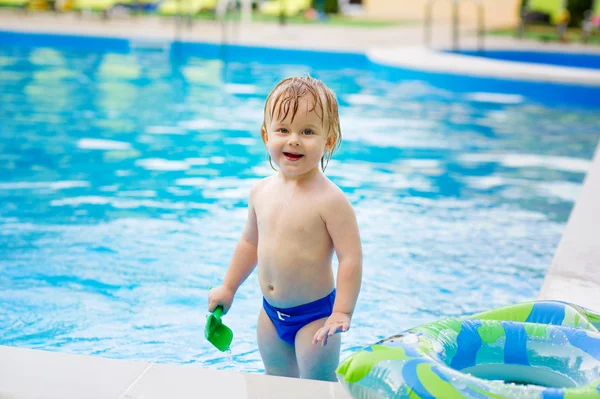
<point>292,157</point>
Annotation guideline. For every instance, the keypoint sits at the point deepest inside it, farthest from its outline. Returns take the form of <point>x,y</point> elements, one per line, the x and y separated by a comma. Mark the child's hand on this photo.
<point>336,323</point>
<point>222,296</point>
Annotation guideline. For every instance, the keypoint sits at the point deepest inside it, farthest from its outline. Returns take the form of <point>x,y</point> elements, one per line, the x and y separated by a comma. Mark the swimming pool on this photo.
<point>125,172</point>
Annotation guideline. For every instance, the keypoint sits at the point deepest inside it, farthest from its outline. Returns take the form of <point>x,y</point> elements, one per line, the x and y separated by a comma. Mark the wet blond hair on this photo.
<point>285,97</point>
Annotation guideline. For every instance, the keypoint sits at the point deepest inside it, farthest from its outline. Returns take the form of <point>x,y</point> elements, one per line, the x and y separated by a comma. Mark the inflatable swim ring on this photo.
<point>542,350</point>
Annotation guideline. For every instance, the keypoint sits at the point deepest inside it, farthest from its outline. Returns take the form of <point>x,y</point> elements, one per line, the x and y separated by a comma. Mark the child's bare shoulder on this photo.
<point>332,195</point>
<point>258,188</point>
<point>335,208</point>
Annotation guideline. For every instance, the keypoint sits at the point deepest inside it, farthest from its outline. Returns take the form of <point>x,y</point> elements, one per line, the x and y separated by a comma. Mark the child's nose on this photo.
<point>293,140</point>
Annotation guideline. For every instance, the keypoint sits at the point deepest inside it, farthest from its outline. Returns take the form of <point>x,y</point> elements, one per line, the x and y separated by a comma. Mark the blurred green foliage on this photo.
<point>576,8</point>
<point>332,7</point>
<point>329,6</point>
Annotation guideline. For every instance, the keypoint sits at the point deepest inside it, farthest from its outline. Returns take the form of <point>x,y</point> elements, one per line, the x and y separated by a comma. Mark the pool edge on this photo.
<point>32,373</point>
<point>574,275</point>
<point>427,60</point>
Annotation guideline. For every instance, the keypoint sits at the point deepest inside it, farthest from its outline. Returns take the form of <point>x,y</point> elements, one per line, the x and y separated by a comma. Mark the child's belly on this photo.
<point>287,280</point>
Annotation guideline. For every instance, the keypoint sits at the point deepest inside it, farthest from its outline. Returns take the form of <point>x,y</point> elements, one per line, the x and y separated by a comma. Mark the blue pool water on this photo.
<point>124,174</point>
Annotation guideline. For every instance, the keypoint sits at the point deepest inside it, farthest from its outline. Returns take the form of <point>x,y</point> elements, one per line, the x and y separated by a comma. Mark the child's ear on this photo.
<point>330,142</point>
<point>263,134</point>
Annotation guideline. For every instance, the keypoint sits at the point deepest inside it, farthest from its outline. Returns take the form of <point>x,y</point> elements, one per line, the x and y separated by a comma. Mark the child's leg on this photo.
<point>277,355</point>
<point>315,361</point>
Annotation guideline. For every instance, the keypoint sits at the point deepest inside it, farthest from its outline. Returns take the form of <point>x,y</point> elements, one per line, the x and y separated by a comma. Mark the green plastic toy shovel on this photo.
<point>216,332</point>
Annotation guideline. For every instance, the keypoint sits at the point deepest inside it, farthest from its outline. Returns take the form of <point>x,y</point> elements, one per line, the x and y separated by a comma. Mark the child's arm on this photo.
<point>242,263</point>
<point>343,229</point>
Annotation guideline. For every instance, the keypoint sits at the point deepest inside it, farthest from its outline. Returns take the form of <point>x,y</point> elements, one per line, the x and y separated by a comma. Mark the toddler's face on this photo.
<point>297,146</point>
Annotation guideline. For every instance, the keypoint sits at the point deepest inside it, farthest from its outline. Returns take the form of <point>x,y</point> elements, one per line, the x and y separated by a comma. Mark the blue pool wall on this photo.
<point>547,93</point>
<point>568,59</point>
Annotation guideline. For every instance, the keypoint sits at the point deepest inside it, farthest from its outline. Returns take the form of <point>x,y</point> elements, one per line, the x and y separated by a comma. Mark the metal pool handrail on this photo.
<point>224,9</point>
<point>456,23</point>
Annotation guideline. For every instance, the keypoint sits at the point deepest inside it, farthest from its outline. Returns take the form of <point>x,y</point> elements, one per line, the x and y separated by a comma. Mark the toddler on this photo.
<point>296,219</point>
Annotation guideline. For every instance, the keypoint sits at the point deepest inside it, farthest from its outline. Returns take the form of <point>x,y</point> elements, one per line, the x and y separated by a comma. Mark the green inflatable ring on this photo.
<point>541,350</point>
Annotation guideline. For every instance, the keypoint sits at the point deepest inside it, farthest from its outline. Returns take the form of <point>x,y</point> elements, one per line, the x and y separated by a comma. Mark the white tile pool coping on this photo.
<point>35,374</point>
<point>425,59</point>
<point>573,277</point>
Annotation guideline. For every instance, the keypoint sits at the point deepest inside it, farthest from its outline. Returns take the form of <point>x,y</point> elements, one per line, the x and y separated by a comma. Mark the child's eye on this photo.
<point>282,130</point>
<point>308,132</point>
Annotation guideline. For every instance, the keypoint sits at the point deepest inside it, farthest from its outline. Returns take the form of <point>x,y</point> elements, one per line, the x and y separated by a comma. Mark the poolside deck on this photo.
<point>574,275</point>
<point>315,37</point>
<point>25,373</point>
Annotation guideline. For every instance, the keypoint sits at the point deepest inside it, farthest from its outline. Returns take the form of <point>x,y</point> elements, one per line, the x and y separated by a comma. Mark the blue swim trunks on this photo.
<point>288,321</point>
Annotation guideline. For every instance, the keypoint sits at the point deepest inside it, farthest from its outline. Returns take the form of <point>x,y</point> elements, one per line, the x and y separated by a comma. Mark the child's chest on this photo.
<point>283,216</point>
